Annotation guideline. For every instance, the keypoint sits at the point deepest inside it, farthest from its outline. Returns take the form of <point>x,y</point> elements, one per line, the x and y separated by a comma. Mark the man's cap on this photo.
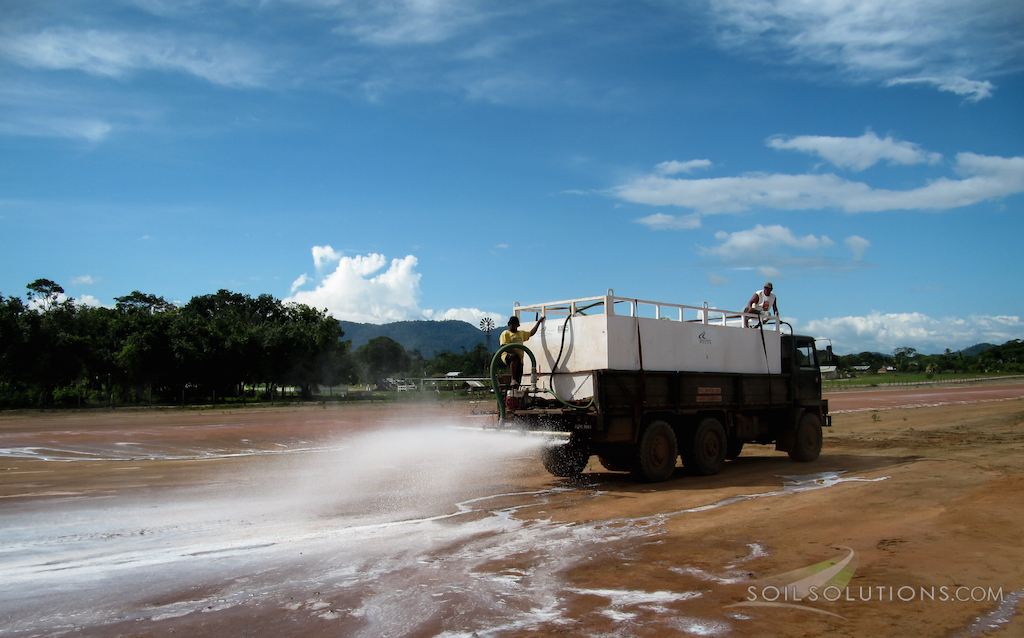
<point>768,285</point>
<point>513,319</point>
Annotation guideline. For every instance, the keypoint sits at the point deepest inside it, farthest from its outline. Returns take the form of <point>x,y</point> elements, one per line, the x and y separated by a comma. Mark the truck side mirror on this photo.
<point>828,352</point>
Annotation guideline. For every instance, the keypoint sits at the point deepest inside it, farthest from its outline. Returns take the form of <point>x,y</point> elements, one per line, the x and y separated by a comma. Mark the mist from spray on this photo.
<point>399,509</point>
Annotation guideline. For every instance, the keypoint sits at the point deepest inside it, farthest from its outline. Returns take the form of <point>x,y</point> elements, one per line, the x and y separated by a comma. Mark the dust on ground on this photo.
<point>407,520</point>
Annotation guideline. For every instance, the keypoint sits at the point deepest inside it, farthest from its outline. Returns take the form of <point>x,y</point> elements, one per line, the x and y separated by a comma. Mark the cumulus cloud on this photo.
<point>84,279</point>
<point>370,289</point>
<point>972,90</point>
<point>762,241</point>
<point>858,245</point>
<point>90,301</point>
<point>983,178</point>
<point>119,53</point>
<point>857,153</point>
<point>355,293</point>
<point>324,254</point>
<point>469,315</point>
<point>877,332</point>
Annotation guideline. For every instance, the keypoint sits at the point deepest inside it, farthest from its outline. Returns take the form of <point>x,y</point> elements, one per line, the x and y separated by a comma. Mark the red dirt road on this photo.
<point>407,521</point>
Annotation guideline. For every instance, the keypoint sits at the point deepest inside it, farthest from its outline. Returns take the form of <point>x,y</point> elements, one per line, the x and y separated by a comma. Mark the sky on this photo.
<point>444,159</point>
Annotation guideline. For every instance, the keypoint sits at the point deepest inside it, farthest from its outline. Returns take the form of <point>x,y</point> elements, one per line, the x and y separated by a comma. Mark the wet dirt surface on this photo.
<point>385,520</point>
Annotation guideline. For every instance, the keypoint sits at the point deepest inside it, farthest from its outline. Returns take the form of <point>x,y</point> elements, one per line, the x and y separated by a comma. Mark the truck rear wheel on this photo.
<point>806,438</point>
<point>705,454</point>
<point>657,452</point>
<point>566,460</point>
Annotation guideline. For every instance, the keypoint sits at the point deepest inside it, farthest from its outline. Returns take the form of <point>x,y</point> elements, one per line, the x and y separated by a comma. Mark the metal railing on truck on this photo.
<point>624,306</point>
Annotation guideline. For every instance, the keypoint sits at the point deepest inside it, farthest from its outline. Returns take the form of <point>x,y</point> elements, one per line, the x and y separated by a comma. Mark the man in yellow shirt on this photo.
<point>514,358</point>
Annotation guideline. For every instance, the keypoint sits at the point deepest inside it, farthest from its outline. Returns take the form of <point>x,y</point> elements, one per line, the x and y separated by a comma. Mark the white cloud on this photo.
<point>984,178</point>
<point>718,280</point>
<point>410,22</point>
<point>857,153</point>
<point>469,315</point>
<point>858,245</point>
<point>877,39</point>
<point>88,129</point>
<point>877,332</point>
<point>300,282</point>
<point>973,90</point>
<point>115,54</point>
<point>353,292</point>
<point>661,221</point>
<point>672,167</point>
<point>325,254</point>
<point>90,301</point>
<point>357,290</point>
<point>762,241</point>
<point>84,279</point>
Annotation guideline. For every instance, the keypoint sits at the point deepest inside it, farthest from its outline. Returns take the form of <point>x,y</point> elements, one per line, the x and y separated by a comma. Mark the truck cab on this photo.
<point>800,362</point>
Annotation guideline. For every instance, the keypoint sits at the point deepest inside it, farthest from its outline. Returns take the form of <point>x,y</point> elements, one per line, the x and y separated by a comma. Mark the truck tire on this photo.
<point>656,454</point>
<point>806,438</point>
<point>614,463</point>
<point>705,454</point>
<point>566,460</point>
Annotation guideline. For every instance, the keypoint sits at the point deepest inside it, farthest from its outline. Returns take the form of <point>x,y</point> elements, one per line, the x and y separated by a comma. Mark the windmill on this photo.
<point>487,324</point>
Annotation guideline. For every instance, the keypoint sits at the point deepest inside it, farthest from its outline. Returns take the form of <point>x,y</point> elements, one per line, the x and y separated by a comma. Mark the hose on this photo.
<point>494,372</point>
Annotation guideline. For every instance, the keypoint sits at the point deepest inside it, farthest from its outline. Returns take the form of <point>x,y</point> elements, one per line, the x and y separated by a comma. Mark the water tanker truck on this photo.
<point>642,383</point>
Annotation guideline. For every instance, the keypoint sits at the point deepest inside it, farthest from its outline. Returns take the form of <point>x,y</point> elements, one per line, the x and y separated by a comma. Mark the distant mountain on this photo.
<point>976,349</point>
<point>429,337</point>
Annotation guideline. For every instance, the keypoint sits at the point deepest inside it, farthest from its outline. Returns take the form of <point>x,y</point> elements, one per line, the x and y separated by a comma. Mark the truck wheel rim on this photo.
<point>711,446</point>
<point>660,451</point>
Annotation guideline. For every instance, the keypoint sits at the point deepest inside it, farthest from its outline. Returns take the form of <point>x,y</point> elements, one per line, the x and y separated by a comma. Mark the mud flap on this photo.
<point>787,437</point>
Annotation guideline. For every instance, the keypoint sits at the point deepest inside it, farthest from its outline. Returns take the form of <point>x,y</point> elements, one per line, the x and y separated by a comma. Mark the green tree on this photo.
<point>904,358</point>
<point>45,292</point>
<point>382,357</point>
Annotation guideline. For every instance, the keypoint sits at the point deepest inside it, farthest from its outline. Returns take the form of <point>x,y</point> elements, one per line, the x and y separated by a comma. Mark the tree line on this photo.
<point>1008,357</point>
<point>217,347</point>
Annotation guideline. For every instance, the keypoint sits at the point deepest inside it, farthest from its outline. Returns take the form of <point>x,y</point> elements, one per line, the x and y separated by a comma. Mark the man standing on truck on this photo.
<point>514,358</point>
<point>760,303</point>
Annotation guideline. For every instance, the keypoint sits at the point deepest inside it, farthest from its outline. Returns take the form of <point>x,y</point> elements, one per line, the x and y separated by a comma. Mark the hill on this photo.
<point>977,349</point>
<point>429,337</point>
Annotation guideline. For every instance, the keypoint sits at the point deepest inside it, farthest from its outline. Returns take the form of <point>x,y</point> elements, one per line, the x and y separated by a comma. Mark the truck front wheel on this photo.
<point>705,454</point>
<point>806,438</point>
<point>566,460</point>
<point>657,452</point>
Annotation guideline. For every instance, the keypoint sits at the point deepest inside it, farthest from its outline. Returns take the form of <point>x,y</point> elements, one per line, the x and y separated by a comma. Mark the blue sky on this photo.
<point>437,159</point>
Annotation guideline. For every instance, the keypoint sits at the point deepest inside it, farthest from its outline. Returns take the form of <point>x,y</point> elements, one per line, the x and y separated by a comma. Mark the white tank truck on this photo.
<point>640,383</point>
